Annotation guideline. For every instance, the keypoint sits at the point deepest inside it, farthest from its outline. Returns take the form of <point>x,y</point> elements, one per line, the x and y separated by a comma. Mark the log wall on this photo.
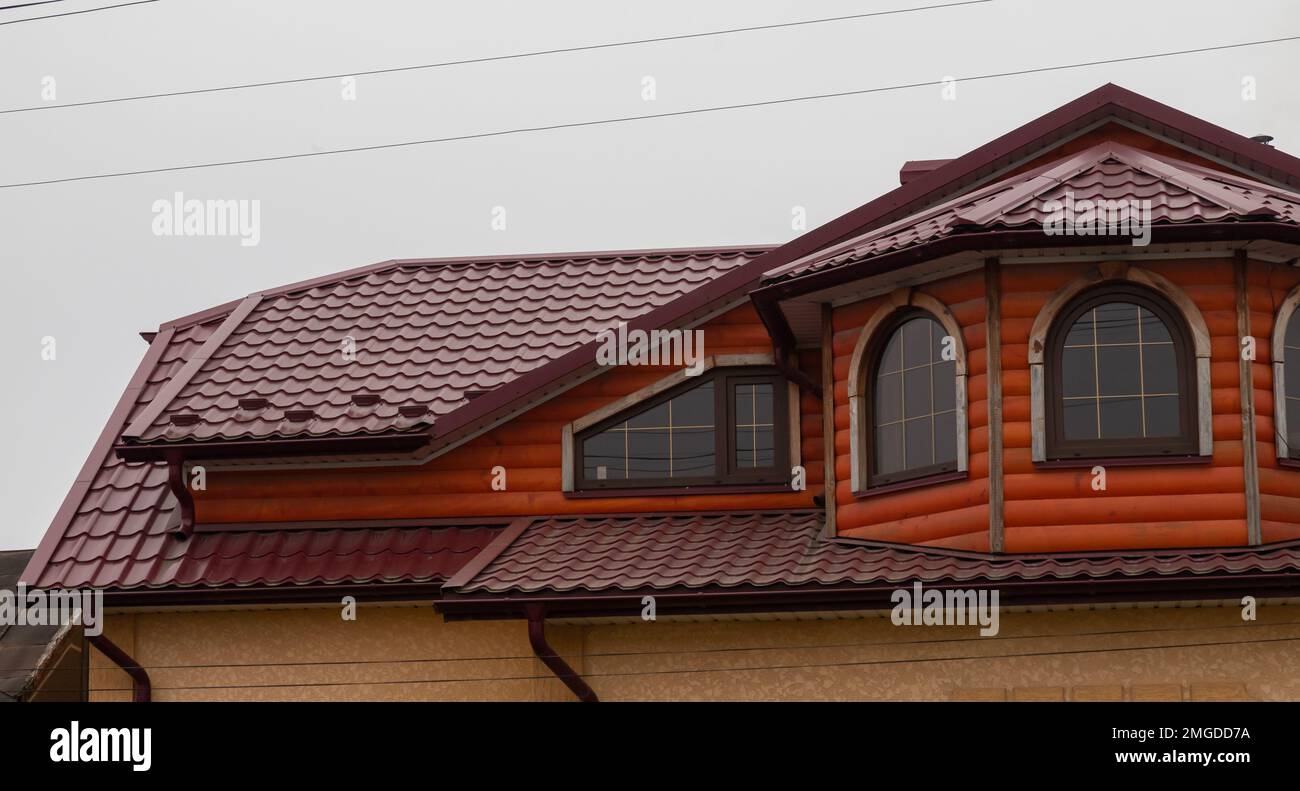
<point>458,484</point>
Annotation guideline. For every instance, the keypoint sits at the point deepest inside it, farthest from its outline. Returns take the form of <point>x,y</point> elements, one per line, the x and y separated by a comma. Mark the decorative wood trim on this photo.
<point>1123,461</point>
<point>858,420</point>
<point>1250,452</point>
<point>566,459</point>
<point>685,490</point>
<point>1118,271</point>
<point>829,456</point>
<point>993,361</point>
<point>1285,314</point>
<point>792,398</point>
<point>915,483</point>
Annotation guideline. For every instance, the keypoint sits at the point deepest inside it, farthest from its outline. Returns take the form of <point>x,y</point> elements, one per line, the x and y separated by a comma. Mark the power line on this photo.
<point>489,59</point>
<point>74,13</point>
<point>627,119</point>
<point>731,669</point>
<point>26,5</point>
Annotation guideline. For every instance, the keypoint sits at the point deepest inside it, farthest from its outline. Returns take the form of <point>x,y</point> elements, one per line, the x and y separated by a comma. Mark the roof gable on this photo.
<point>1177,191</point>
<point>1022,146</point>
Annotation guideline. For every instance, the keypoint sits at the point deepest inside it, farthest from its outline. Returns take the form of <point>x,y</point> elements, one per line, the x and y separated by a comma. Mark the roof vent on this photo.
<point>299,415</point>
<point>253,404</point>
<point>184,419</point>
<point>1265,139</point>
<point>365,399</point>
<point>916,168</point>
<point>415,410</point>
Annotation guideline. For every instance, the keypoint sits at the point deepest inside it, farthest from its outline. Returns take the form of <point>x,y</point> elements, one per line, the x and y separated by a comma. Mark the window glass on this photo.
<point>914,421</point>
<point>1119,375</point>
<point>674,439</point>
<point>755,426</point>
<point>1291,373</point>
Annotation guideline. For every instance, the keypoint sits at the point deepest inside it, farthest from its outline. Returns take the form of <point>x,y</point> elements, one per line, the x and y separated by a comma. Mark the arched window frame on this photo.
<point>861,376</point>
<point>1285,315</point>
<point>1064,300</point>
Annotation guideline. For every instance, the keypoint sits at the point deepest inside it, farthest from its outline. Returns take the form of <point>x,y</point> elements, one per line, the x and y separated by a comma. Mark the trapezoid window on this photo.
<point>912,401</point>
<point>1120,378</point>
<point>728,427</point>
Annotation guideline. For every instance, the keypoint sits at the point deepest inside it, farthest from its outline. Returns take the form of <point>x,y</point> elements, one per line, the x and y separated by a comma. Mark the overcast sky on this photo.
<point>81,263</point>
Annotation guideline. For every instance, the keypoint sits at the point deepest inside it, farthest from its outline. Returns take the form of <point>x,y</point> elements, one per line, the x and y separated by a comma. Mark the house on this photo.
<point>1048,376</point>
<point>39,662</point>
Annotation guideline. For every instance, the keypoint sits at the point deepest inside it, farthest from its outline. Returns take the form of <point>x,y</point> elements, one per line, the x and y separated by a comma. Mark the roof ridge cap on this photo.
<point>146,418</point>
<point>1194,182</point>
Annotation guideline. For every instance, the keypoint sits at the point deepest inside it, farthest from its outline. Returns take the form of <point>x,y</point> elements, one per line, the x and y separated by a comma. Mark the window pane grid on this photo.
<point>1122,340</point>
<point>914,391</point>
<point>664,455</point>
<point>748,404</point>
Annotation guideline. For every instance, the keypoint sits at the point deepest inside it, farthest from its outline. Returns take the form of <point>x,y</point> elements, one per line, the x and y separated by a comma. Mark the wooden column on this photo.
<point>1246,380</point>
<point>993,366</point>
<point>828,416</point>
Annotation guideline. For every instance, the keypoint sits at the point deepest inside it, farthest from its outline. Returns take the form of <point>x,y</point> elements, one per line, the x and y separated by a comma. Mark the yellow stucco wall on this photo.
<point>1200,653</point>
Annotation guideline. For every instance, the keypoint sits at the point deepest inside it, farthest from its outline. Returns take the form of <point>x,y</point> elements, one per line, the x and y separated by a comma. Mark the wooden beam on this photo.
<point>993,358</point>
<point>1250,453</point>
<point>828,416</point>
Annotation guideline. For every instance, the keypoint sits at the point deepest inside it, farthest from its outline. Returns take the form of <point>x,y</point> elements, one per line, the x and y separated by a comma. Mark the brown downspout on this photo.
<point>783,344</point>
<point>141,689</point>
<point>176,482</point>
<point>552,660</point>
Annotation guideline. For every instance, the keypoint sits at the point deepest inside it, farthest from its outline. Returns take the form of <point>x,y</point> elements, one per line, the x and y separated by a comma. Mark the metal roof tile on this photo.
<point>667,551</point>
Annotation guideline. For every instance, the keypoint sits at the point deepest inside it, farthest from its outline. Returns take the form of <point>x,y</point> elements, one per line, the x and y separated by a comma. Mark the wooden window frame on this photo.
<point>1287,455</point>
<point>726,473</point>
<point>876,350</point>
<point>1184,444</point>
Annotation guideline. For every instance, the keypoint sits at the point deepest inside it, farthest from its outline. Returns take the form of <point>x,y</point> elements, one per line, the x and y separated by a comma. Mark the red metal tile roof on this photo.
<point>760,550</point>
<point>111,528</point>
<point>427,336</point>
<point>284,557</point>
<point>1179,192</point>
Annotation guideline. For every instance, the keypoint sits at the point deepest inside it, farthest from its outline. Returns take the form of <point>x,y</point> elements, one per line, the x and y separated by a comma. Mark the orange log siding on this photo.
<point>954,514</point>
<point>1045,509</point>
<point>1267,286</point>
<point>458,484</point>
<point>1057,509</point>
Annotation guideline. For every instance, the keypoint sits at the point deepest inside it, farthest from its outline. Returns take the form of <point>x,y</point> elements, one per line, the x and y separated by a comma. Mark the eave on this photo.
<point>749,599</point>
<point>274,448</point>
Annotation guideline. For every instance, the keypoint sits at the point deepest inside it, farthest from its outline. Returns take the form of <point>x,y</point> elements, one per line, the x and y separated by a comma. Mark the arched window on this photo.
<point>1286,378</point>
<point>911,400</point>
<point>1291,383</point>
<point>1121,377</point>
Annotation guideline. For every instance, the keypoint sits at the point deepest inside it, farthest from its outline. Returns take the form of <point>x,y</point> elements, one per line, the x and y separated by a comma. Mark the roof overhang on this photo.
<point>299,447</point>
<point>773,301</point>
<point>749,599</point>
